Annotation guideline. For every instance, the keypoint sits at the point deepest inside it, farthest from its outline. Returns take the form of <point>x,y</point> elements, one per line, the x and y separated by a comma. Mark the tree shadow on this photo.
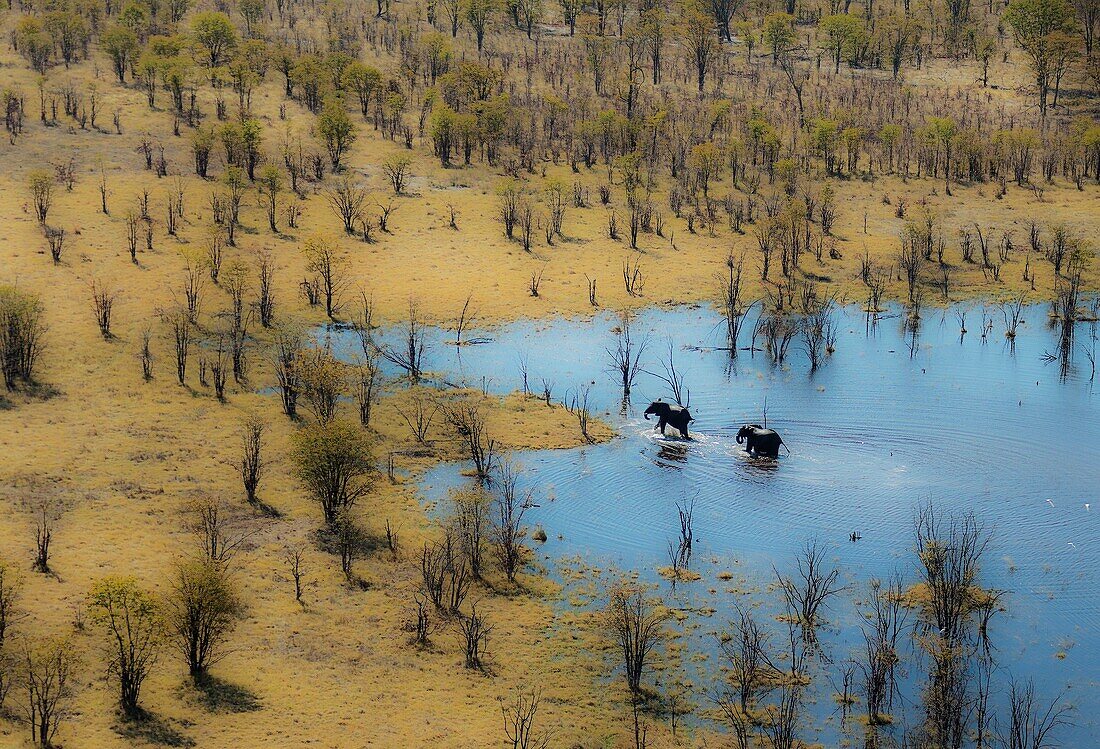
<point>219,696</point>
<point>267,510</point>
<point>152,729</point>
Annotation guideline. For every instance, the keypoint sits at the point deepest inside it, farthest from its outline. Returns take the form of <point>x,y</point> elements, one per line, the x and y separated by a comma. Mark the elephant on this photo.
<point>760,441</point>
<point>667,413</point>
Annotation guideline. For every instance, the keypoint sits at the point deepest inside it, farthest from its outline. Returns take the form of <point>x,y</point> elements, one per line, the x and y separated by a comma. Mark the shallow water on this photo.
<point>884,426</point>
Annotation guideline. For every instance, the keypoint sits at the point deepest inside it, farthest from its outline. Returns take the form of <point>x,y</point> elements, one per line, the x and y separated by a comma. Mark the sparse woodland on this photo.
<point>212,535</point>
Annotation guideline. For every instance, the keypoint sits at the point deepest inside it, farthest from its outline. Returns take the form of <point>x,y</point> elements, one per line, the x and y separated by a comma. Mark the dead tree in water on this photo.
<point>747,667</point>
<point>732,304</point>
<point>950,555</point>
<point>1029,721</point>
<point>818,332</point>
<point>883,625</point>
<point>508,532</point>
<point>410,356</point>
<point>807,592</point>
<point>679,550</point>
<point>625,358</point>
<point>673,378</point>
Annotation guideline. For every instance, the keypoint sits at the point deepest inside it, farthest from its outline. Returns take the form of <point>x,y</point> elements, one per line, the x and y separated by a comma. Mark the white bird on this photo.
<point>1050,503</point>
<point>1073,544</point>
<point>1087,507</point>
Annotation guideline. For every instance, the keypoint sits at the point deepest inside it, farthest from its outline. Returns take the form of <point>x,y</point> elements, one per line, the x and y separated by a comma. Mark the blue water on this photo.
<point>887,423</point>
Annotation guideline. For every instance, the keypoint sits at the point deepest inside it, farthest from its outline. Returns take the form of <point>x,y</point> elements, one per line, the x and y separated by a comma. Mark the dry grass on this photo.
<point>127,455</point>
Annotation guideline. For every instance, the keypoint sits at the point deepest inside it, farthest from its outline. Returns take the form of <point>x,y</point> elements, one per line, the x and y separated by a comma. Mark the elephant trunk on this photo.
<point>740,437</point>
<point>646,415</point>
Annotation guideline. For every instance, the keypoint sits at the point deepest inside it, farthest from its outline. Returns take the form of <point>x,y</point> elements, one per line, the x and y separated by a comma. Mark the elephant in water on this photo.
<point>760,441</point>
<point>667,413</point>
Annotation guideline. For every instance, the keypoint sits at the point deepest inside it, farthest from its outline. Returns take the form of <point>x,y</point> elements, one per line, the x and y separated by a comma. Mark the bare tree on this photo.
<point>475,632</point>
<point>733,306</point>
<point>10,586</point>
<point>625,358</point>
<point>635,623</point>
<point>47,511</point>
<point>508,530</point>
<point>950,553</point>
<point>266,304</point>
<point>812,588</point>
<point>347,199</point>
<point>325,261</point>
<point>519,721</point>
<point>1030,722</point>
<point>295,562</point>
<point>471,524</point>
<point>673,378</point>
<point>251,464</point>
<point>468,425</point>
<point>46,673</point>
<point>748,672</point>
<point>419,415</point>
<point>410,356</point>
<point>218,533</point>
<point>103,302</point>
<point>180,323</point>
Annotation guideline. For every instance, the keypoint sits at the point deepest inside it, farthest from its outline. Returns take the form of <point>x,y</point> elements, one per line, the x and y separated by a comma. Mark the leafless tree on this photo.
<point>673,378</point>
<point>519,721</point>
<point>472,527</point>
<point>632,276</point>
<point>220,536</point>
<point>748,675</point>
<point>266,304</point>
<point>325,261</point>
<point>625,358</point>
<point>445,575</point>
<point>10,586</point>
<point>950,552</point>
<point>468,425</point>
<point>294,561</point>
<point>410,356</point>
<point>475,632</point>
<point>733,305</point>
<point>366,386</point>
<point>347,199</point>
<point>508,530</point>
<point>289,345</point>
<point>1030,722</point>
<point>419,415</point>
<point>103,302</point>
<point>883,622</point>
<point>46,511</point>
<point>635,623</point>
<point>46,671</point>
<point>811,588</point>
<point>251,464</point>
